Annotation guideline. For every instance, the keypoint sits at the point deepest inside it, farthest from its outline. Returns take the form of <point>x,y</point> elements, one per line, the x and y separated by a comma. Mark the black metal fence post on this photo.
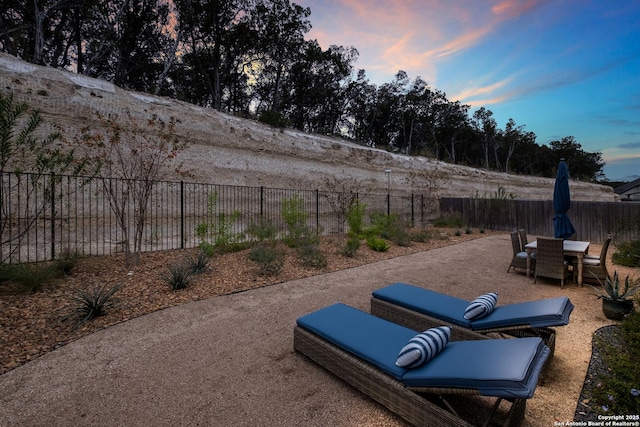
<point>413,222</point>
<point>182,236</point>
<point>53,213</point>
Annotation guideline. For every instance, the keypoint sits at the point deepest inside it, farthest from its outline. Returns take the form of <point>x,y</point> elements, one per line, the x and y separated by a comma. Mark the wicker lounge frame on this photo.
<point>410,403</point>
<point>420,321</point>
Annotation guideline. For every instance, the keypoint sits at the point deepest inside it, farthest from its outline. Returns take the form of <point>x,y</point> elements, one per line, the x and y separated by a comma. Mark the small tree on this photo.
<point>295,216</point>
<point>31,163</point>
<point>133,156</point>
<point>355,218</point>
<point>218,225</point>
<point>341,193</point>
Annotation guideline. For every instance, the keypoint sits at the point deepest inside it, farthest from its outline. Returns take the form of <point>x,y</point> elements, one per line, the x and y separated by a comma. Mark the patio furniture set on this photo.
<point>461,355</point>
<point>558,258</point>
<point>462,350</point>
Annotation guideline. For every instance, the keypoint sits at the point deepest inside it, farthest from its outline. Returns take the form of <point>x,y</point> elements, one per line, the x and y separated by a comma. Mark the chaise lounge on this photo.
<point>419,308</point>
<point>362,349</point>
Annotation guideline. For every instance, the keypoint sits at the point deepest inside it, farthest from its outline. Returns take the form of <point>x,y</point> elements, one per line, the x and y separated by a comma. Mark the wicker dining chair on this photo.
<point>519,259</point>
<point>523,242</point>
<point>594,268</point>
<point>550,260</point>
<point>523,238</point>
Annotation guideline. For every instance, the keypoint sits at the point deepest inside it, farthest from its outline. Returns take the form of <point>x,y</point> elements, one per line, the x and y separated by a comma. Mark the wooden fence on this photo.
<point>592,220</point>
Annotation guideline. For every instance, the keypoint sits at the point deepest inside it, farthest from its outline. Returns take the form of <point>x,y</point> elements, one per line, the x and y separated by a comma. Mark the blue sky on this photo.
<point>561,68</point>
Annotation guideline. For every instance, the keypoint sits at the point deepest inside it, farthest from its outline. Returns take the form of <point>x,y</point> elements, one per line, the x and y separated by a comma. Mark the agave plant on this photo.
<point>87,304</point>
<point>377,244</point>
<point>178,276</point>
<point>199,262</point>
<point>613,291</point>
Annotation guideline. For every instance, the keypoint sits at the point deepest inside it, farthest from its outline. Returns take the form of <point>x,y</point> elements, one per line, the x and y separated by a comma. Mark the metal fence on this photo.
<point>592,220</point>
<point>45,216</point>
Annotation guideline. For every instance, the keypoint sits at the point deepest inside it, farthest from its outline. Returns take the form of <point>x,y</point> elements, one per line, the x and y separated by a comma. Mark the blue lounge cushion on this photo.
<point>504,368</point>
<point>481,306</point>
<point>371,338</point>
<point>494,367</point>
<point>423,347</point>
<point>538,313</point>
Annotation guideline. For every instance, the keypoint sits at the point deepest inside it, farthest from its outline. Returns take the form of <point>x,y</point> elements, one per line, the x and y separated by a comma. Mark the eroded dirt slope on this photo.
<point>224,149</point>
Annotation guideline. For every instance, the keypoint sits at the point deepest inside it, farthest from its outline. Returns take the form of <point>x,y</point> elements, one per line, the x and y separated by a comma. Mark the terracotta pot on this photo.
<point>616,310</point>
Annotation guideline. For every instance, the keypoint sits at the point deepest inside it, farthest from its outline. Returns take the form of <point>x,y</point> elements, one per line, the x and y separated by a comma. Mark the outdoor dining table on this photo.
<point>575,248</point>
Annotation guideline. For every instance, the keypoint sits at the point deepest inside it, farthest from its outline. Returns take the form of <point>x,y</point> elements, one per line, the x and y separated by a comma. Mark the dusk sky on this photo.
<point>559,67</point>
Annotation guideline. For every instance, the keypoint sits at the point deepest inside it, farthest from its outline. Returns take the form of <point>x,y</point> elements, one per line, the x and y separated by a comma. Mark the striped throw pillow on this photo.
<point>423,347</point>
<point>481,306</point>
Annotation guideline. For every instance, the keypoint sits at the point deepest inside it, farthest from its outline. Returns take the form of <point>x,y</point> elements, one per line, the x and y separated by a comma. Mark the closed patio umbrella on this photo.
<point>562,227</point>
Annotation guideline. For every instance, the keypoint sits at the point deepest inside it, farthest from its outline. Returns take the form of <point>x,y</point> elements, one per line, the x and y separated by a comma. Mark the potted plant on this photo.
<point>616,300</point>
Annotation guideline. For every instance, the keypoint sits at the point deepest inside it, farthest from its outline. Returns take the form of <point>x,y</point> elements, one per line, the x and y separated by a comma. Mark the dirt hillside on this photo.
<point>224,149</point>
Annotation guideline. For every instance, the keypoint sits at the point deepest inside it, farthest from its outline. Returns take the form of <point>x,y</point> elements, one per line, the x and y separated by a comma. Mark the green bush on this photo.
<point>232,247</point>
<point>311,256</point>
<point>295,217</point>
<point>628,254</point>
<point>5,272</point>
<point>262,229</point>
<point>199,262</point>
<point>451,221</point>
<point>440,222</point>
<point>207,248</point>
<point>178,277</point>
<point>269,259</point>
<point>211,250</point>
<point>88,304</point>
<point>66,262</point>
<point>352,246</point>
<point>219,226</point>
<point>390,227</point>
<point>619,390</point>
<point>355,218</point>
<point>381,225</point>
<point>401,236</point>
<point>421,236</point>
<point>31,277</point>
<point>377,244</point>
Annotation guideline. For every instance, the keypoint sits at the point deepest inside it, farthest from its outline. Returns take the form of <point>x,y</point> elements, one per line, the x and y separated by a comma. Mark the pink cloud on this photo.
<point>477,91</point>
<point>409,35</point>
<point>513,8</point>
<point>465,40</point>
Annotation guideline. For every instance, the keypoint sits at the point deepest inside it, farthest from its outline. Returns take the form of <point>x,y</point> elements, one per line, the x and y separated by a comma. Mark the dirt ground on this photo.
<point>220,352</point>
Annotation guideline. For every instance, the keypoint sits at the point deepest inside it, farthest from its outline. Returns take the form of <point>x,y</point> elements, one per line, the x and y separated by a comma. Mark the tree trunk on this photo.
<point>167,65</point>
<point>38,46</point>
